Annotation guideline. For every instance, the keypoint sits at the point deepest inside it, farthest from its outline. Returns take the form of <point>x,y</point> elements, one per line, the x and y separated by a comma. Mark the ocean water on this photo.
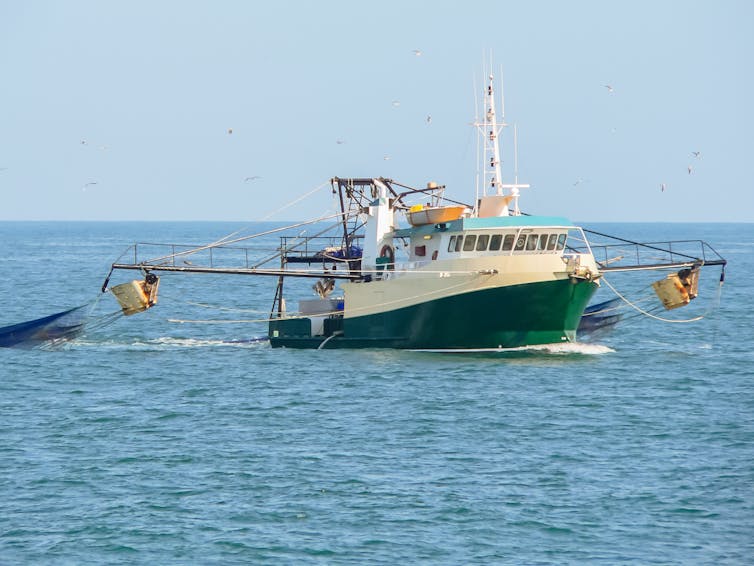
<point>162,441</point>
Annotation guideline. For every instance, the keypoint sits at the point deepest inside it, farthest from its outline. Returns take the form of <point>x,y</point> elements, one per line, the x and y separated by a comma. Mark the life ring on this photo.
<point>388,252</point>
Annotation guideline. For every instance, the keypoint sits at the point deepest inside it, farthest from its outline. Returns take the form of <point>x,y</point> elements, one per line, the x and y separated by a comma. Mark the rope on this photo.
<point>299,199</point>
<point>225,239</point>
<point>226,242</point>
<point>650,315</point>
<point>190,321</point>
<point>208,306</point>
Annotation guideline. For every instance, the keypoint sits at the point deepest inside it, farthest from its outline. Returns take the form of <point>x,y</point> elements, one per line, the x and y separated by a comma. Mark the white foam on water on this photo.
<point>168,342</point>
<point>580,348</point>
<point>574,348</point>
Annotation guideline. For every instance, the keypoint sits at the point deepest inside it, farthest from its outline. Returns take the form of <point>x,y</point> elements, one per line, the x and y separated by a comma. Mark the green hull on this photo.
<point>504,317</point>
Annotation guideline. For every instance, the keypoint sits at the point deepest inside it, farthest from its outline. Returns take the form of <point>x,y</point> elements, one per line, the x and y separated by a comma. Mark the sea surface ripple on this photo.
<point>153,442</point>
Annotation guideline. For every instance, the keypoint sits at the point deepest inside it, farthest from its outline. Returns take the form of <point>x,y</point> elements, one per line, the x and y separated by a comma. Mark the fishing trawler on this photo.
<point>404,267</point>
<point>440,274</point>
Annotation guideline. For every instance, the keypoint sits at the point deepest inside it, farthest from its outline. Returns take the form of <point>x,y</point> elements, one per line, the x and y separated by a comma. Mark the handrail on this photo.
<point>670,253</point>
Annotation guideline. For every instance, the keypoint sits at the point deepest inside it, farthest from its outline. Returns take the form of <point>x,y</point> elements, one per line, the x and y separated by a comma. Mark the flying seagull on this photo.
<point>609,89</point>
<point>690,169</point>
<point>429,119</point>
<point>230,130</point>
<point>252,178</point>
<point>696,154</point>
<point>340,142</point>
<point>417,52</point>
<point>662,187</point>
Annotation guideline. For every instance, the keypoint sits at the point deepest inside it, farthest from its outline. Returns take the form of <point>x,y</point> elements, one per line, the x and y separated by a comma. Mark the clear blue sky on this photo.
<point>154,87</point>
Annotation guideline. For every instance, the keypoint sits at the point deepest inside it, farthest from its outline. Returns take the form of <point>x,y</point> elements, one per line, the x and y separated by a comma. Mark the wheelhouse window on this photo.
<point>508,242</point>
<point>481,242</point>
<point>552,242</point>
<point>495,242</point>
<point>562,241</point>
<point>531,242</point>
<point>459,243</point>
<point>469,242</point>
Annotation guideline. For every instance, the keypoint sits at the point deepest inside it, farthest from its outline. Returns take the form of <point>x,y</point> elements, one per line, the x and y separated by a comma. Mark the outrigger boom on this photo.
<point>363,255</point>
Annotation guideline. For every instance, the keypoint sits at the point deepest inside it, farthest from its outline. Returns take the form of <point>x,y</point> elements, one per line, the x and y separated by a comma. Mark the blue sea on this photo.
<point>169,437</point>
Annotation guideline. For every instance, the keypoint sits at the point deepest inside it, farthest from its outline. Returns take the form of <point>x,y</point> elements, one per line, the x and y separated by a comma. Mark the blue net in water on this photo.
<point>55,328</point>
<point>602,316</point>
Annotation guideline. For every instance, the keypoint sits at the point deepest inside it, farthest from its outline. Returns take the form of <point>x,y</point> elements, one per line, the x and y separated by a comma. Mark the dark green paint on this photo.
<point>507,317</point>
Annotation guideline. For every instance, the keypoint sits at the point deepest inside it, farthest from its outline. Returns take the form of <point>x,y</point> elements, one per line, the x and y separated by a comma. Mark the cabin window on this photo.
<point>421,251</point>
<point>495,242</point>
<point>552,241</point>
<point>459,243</point>
<point>542,242</point>
<point>562,241</point>
<point>481,242</point>
<point>508,242</point>
<point>520,243</point>
<point>531,242</point>
<point>468,243</point>
<point>452,244</point>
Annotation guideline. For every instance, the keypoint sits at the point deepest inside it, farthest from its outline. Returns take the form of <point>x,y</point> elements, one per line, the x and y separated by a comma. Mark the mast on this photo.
<point>490,130</point>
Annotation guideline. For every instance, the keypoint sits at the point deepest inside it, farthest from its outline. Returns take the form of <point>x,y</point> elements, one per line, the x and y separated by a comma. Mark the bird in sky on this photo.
<point>417,52</point>
<point>89,184</point>
<point>386,158</point>
<point>696,154</point>
<point>340,142</point>
<point>609,89</point>
<point>396,103</point>
<point>83,142</point>
<point>252,178</point>
<point>662,187</point>
<point>429,119</point>
<point>690,169</point>
<point>230,130</point>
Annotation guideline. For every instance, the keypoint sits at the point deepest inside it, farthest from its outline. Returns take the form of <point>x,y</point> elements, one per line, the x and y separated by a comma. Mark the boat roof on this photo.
<point>463,224</point>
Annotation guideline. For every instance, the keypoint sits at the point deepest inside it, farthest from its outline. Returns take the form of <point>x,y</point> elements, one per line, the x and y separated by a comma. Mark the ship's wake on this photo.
<point>566,348</point>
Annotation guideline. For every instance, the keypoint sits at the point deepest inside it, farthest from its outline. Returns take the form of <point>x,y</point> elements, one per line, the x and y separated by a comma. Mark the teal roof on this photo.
<point>485,223</point>
<point>512,221</point>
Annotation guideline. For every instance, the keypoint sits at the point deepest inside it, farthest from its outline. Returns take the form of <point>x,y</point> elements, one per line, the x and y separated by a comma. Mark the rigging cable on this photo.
<point>662,319</point>
<point>148,263</point>
<point>299,199</point>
